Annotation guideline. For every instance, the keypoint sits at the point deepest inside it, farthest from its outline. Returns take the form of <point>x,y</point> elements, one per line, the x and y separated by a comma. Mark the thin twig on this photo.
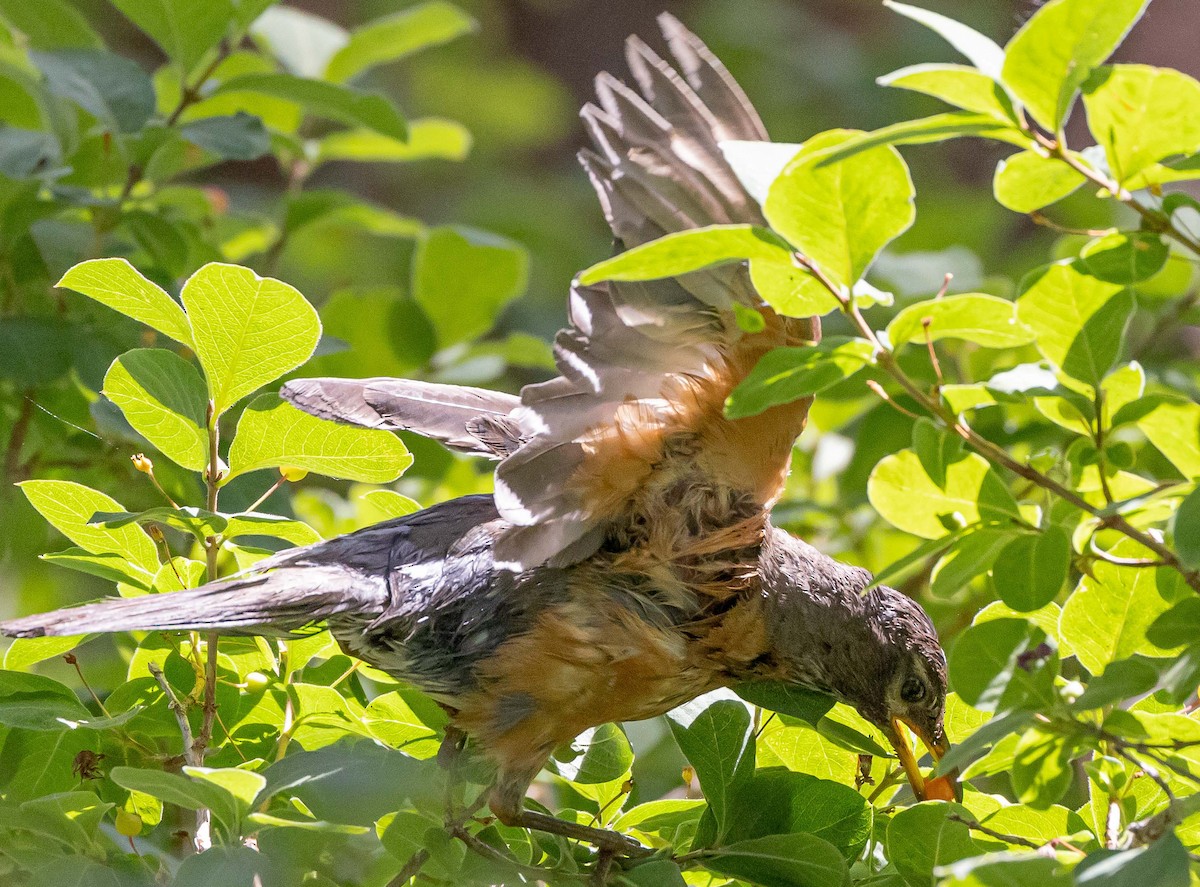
<point>977,826</point>
<point>990,451</point>
<point>191,753</point>
<point>414,864</point>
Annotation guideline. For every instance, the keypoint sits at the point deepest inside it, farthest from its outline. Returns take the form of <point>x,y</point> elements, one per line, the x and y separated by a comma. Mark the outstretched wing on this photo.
<point>629,445</point>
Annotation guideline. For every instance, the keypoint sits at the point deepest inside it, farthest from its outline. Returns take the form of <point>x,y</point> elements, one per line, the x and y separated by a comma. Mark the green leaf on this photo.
<point>396,36</point>
<point>795,860</point>
<point>982,51</point>
<point>1123,679</point>
<point>758,164</point>
<point>117,284</point>
<point>962,86</point>
<point>34,702</point>
<point>689,250</point>
<point>390,505</point>
<point>69,507</point>
<point>107,565</point>
<point>922,837</point>
<point>1031,569</point>
<point>242,785</point>
<point>1047,61</point>
<point>905,495</point>
<point>1079,320</point>
<point>787,374</point>
<point>1041,771</point>
<point>923,131</point>
<point>392,721</point>
<point>1125,257</point>
<point>113,89</point>
<point>791,291</point>
<point>163,397</point>
<point>599,754</point>
<point>1107,615</point>
<point>1141,115</point>
<point>1185,530</point>
<point>173,788</point>
<point>462,278</point>
<point>24,652</point>
<point>239,136</point>
<point>840,214</point>
<point>185,30</point>
<point>985,658</point>
<point>1173,426</point>
<point>717,738</point>
<point>50,24</point>
<point>1007,870</point>
<point>655,873</point>
<point>1027,181</point>
<point>1163,864</point>
<point>248,330</point>
<point>201,523</point>
<point>330,101</point>
<point>777,801</point>
<point>428,138</point>
<point>225,865</point>
<point>272,433</point>
<point>789,699</point>
<point>975,317</point>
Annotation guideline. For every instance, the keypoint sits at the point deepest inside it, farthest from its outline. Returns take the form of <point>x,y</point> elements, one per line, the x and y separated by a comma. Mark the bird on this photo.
<point>626,562</point>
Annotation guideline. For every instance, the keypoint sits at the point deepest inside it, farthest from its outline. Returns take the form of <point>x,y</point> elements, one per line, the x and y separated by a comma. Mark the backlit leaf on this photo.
<point>787,374</point>
<point>1027,181</point>
<point>976,317</point>
<point>163,397</point>
<point>117,284</point>
<point>689,250</point>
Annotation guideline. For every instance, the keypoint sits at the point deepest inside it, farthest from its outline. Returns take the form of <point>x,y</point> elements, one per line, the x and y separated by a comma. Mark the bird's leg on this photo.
<point>507,800</point>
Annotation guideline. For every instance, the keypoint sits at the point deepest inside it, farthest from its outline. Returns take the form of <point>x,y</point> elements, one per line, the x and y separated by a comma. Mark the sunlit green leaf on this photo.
<point>1173,426</point>
<point>248,330</point>
<point>787,374</point>
<point>1057,49</point>
<point>50,24</point>
<point>790,290</point>
<point>428,138</point>
<point>24,652</point>
<point>1079,320</point>
<point>1142,114</point>
<point>163,397</point>
<point>841,214</point>
<point>107,565</point>
<point>968,88</point>
<point>600,754</point>
<point>176,789</point>
<point>1107,615</point>
<point>117,284</point>
<point>926,130</point>
<point>689,250</point>
<point>396,36</point>
<point>717,737</point>
<point>976,317</point>
<point>202,523</point>
<point>905,495</point>
<point>1041,772</point>
<point>69,507</point>
<point>272,433</point>
<point>1027,181</point>
<point>1125,257</point>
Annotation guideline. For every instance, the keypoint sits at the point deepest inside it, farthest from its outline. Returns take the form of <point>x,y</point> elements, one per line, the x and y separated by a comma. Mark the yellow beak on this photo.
<point>947,786</point>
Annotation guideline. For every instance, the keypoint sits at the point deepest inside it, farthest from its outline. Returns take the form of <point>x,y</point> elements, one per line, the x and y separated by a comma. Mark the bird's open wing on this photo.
<point>629,444</point>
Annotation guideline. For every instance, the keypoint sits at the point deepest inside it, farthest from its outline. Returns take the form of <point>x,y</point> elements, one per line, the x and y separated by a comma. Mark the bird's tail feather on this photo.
<point>278,602</point>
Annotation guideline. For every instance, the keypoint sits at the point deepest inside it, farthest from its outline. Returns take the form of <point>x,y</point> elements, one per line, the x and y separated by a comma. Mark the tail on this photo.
<point>278,602</point>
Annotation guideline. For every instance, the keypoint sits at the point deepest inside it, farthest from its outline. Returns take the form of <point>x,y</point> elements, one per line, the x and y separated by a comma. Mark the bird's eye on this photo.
<point>913,690</point>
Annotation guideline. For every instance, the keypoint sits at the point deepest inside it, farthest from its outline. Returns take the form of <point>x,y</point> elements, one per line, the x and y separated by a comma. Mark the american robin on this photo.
<point>626,562</point>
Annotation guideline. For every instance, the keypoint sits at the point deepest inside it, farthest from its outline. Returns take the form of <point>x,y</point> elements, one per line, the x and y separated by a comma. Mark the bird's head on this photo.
<point>881,655</point>
<point>905,686</point>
